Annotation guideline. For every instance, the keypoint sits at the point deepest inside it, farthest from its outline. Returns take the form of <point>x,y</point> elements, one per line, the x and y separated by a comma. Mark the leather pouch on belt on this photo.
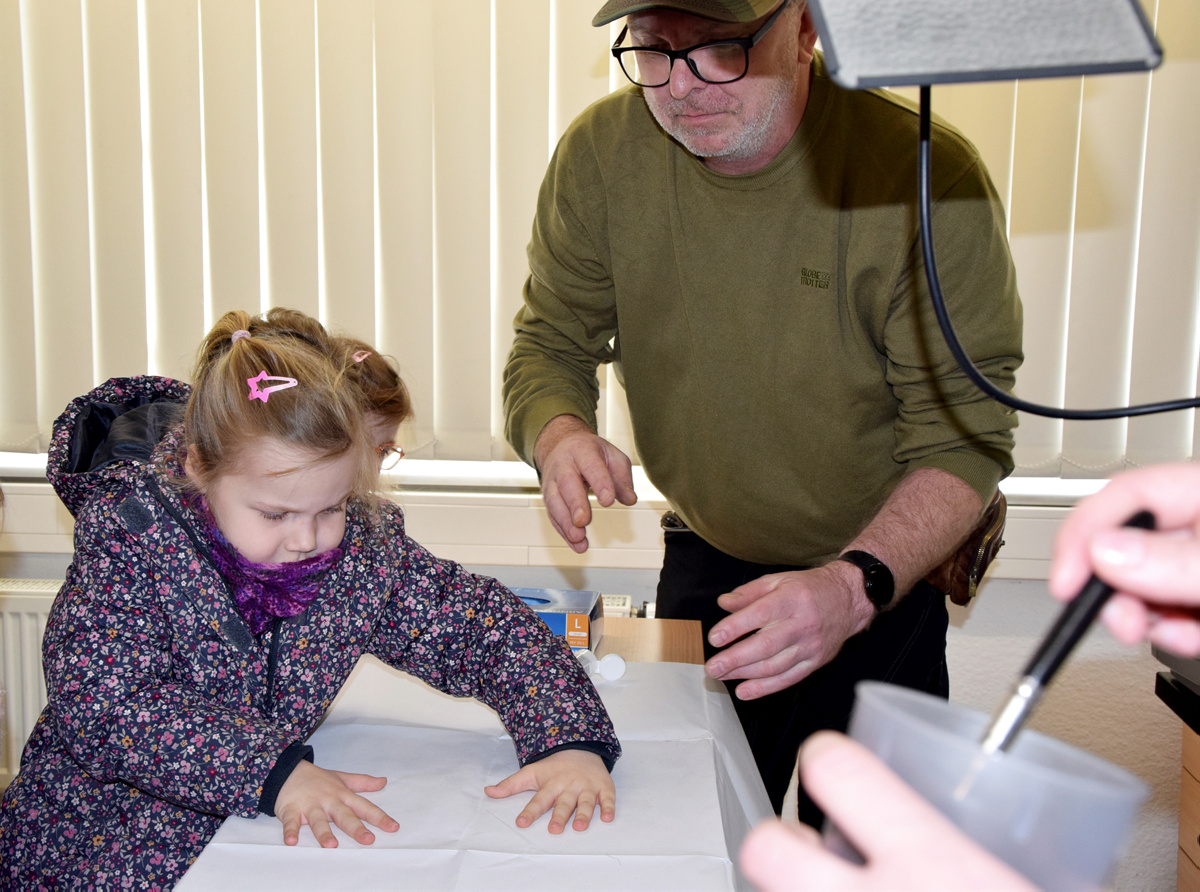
<point>959,575</point>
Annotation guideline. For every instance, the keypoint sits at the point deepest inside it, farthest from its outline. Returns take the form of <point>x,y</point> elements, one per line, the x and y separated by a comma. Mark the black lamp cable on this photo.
<point>924,200</point>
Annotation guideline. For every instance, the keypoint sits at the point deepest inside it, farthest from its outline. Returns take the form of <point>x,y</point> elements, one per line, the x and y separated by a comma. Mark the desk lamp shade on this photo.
<point>877,43</point>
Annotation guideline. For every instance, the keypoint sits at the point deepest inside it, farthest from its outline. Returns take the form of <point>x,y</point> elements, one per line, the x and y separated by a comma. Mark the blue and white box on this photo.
<point>577,616</point>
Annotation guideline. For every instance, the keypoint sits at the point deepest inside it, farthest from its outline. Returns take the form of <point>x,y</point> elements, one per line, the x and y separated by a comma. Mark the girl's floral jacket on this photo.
<point>166,714</point>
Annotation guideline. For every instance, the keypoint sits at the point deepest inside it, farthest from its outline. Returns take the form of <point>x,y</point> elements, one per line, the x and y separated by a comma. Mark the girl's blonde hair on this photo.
<point>378,379</point>
<point>323,414</point>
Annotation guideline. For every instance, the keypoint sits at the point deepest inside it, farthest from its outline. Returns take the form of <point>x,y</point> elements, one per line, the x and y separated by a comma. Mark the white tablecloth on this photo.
<point>687,794</point>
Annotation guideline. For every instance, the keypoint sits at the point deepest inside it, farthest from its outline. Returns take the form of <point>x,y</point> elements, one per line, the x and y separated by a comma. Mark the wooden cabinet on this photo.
<point>653,640</point>
<point>1189,814</point>
<point>1184,702</point>
<point>1189,874</point>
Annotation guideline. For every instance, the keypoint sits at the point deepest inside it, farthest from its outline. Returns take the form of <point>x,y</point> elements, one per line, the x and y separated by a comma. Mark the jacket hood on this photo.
<point>110,431</point>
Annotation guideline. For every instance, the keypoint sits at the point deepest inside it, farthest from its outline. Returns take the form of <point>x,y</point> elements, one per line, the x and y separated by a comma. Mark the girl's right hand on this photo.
<point>319,796</point>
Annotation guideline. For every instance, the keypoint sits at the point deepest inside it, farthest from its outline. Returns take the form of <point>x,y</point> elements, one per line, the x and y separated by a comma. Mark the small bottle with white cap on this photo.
<point>610,667</point>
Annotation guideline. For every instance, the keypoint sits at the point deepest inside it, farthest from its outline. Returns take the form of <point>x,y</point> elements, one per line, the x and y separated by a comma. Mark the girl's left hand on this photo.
<point>567,781</point>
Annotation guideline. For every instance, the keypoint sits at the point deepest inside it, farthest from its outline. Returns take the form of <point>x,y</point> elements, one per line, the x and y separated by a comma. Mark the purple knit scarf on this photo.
<point>263,592</point>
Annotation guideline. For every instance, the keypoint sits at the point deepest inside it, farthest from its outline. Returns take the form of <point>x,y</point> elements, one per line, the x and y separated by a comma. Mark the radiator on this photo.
<point>24,605</point>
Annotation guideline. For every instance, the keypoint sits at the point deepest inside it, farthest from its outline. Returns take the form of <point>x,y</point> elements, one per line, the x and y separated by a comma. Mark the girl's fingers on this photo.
<point>320,828</point>
<point>354,828</point>
<point>536,807</point>
<point>291,830</point>
<point>583,811</point>
<point>362,783</point>
<point>608,804</point>
<point>381,819</point>
<point>561,816</point>
<point>370,813</point>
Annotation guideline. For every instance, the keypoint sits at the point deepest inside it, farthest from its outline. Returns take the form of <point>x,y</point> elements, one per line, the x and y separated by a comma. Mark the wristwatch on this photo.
<point>877,578</point>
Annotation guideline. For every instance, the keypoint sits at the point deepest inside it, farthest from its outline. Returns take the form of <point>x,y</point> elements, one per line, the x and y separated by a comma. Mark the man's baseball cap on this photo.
<point>717,10</point>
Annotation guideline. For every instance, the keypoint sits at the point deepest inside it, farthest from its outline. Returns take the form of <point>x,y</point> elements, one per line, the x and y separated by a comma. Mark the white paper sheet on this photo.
<point>687,793</point>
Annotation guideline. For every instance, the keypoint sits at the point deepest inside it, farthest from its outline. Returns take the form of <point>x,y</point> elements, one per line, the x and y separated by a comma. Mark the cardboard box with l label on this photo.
<point>576,615</point>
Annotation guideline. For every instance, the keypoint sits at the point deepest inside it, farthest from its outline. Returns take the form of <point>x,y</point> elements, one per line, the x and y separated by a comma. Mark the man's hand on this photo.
<point>1156,573</point>
<point>800,620</point>
<point>796,622</point>
<point>572,459</point>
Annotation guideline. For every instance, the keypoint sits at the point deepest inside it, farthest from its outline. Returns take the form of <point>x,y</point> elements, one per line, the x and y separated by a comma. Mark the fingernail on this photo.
<point>716,639</point>
<point>1119,548</point>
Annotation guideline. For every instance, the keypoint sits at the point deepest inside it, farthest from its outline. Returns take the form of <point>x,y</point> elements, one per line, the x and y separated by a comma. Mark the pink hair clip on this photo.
<point>360,355</point>
<point>261,393</point>
<point>238,335</point>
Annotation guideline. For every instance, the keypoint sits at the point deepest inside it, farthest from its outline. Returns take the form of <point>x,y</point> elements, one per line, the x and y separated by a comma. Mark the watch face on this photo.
<point>879,584</point>
<point>877,578</point>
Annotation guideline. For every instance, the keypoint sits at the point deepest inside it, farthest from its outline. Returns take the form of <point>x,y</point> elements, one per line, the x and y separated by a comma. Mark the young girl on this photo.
<point>220,594</point>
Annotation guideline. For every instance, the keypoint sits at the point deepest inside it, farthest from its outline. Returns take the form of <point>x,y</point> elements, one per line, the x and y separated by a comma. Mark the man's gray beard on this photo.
<point>748,142</point>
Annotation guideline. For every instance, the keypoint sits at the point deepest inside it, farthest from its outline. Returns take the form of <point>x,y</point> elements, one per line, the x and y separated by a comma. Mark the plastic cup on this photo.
<point>1055,813</point>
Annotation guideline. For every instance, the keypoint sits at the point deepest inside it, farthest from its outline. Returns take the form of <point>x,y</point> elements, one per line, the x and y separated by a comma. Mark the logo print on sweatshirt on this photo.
<point>814,278</point>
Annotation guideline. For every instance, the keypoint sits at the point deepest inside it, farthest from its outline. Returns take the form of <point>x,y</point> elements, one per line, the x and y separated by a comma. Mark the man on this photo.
<point>738,236</point>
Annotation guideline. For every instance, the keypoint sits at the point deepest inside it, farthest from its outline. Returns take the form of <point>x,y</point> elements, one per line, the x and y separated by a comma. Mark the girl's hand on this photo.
<point>318,796</point>
<point>567,781</point>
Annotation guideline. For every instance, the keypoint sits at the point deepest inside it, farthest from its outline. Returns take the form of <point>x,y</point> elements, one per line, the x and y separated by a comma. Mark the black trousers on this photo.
<point>905,645</point>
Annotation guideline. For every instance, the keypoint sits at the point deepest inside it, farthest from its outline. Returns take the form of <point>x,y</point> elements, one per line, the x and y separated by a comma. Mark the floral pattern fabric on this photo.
<point>166,713</point>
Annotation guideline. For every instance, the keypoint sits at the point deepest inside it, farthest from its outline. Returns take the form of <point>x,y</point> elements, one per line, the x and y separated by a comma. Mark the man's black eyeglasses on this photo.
<point>715,62</point>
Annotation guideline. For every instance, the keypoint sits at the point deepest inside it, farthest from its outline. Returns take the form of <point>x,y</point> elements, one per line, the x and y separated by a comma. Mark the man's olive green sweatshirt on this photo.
<point>773,331</point>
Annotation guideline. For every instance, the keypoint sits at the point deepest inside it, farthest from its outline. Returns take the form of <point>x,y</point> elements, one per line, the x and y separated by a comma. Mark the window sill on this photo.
<point>491,514</point>
<point>424,475</point>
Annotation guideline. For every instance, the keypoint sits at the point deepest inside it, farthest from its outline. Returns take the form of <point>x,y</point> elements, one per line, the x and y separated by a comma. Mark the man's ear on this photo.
<point>808,35</point>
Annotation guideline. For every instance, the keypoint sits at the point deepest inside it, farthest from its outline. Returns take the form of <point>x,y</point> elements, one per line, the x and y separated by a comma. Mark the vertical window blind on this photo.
<point>376,163</point>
